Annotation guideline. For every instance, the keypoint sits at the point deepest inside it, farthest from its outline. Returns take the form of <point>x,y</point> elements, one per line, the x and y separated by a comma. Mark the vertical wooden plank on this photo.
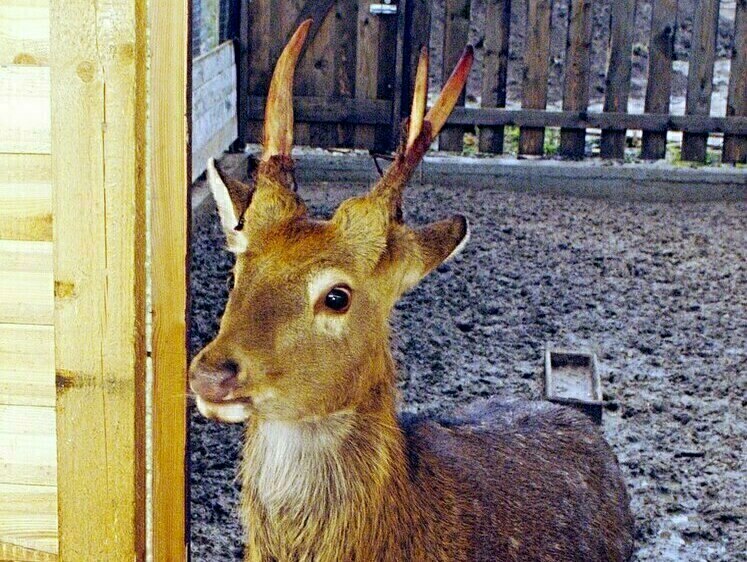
<point>577,67</point>
<point>346,16</point>
<point>367,68</point>
<point>659,83</point>
<point>399,62</point>
<point>386,78</point>
<point>261,42</point>
<point>495,68</point>
<point>700,75</point>
<point>242,70</point>
<point>534,83</point>
<point>169,238</point>
<point>456,32</point>
<point>98,96</point>
<point>617,88</point>
<point>317,76</point>
<point>417,35</point>
<point>735,146</point>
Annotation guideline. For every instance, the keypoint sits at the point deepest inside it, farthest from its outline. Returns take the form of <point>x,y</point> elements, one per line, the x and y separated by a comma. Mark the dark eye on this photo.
<point>338,299</point>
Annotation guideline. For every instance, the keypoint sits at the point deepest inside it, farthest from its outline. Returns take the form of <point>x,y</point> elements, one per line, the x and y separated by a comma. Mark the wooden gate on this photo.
<point>354,80</point>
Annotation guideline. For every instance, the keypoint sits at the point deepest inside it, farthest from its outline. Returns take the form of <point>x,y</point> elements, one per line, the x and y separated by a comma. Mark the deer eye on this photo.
<point>338,299</point>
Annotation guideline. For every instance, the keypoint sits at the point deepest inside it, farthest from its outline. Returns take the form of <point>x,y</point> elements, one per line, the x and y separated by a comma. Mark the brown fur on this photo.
<point>329,472</point>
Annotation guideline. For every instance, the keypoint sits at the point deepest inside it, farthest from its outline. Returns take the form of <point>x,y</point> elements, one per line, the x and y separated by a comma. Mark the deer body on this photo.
<point>329,471</point>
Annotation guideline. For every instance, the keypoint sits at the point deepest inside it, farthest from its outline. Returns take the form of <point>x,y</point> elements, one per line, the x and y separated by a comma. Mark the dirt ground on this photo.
<point>659,290</point>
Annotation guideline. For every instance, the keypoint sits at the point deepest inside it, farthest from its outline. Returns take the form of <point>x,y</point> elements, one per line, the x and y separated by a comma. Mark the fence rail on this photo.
<point>354,84</point>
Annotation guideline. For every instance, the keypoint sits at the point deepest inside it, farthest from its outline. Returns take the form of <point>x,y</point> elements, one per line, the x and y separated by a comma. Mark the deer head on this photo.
<point>305,329</point>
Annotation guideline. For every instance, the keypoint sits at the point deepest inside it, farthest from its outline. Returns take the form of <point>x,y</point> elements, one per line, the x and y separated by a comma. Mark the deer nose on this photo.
<point>214,382</point>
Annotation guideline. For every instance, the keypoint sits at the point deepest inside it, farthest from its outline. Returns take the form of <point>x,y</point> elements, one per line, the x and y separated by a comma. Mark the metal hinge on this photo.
<point>385,9</point>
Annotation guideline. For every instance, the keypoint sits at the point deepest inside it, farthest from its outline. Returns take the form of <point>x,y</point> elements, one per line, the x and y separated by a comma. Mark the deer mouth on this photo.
<point>228,411</point>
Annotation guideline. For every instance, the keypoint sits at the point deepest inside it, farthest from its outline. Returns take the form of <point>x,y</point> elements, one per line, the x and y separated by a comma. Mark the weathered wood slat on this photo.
<point>536,70</point>
<point>98,61</point>
<point>456,32</point>
<point>27,365</point>
<point>25,117</point>
<point>377,111</point>
<point>362,112</point>
<point>24,32</point>
<point>700,75</point>
<point>417,35</point>
<point>577,68</point>
<point>214,113</point>
<point>316,74</point>
<point>25,197</point>
<point>170,218</point>
<point>14,553</point>
<point>28,523</point>
<point>617,83</point>
<point>735,146</point>
<point>28,452</point>
<point>26,293</point>
<point>346,24</point>
<point>243,62</point>
<point>659,83</point>
<point>495,68</point>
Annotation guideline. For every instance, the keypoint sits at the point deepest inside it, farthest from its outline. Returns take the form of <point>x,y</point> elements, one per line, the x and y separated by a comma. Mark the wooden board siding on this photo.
<point>26,283</point>
<point>28,453</point>
<point>28,461</point>
<point>25,118</point>
<point>214,114</point>
<point>24,32</point>
<point>98,76</point>
<point>26,365</point>
<point>28,523</point>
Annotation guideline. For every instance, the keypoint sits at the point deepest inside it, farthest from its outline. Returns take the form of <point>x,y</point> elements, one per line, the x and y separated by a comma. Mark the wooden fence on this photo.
<point>354,82</point>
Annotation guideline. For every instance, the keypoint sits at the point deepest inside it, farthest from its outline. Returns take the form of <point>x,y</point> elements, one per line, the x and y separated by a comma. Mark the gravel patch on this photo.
<point>658,290</point>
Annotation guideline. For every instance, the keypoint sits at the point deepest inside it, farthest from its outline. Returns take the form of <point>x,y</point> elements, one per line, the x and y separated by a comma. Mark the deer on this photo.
<point>330,471</point>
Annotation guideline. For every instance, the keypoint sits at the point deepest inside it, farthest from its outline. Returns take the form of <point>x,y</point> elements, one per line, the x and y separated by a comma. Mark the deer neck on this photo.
<point>323,483</point>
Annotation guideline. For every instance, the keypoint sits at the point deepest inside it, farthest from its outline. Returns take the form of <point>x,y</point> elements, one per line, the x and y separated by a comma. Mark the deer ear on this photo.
<point>232,198</point>
<point>434,244</point>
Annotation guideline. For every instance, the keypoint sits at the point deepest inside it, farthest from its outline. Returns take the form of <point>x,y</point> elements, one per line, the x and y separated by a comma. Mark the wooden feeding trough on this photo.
<point>572,378</point>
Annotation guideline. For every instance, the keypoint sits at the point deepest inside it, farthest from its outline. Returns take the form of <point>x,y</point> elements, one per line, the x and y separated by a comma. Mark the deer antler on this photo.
<point>278,131</point>
<point>423,129</point>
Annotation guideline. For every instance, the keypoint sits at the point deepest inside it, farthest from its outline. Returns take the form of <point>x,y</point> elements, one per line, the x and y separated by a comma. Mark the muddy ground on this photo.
<point>659,290</point>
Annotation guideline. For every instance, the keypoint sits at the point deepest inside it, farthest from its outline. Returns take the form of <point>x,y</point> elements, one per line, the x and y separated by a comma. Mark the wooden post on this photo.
<point>346,23</point>
<point>659,83</point>
<point>617,88</point>
<point>98,56</point>
<point>534,84</point>
<point>735,146</point>
<point>577,66</point>
<point>170,218</point>
<point>495,68</point>
<point>242,72</point>
<point>456,32</point>
<point>700,75</point>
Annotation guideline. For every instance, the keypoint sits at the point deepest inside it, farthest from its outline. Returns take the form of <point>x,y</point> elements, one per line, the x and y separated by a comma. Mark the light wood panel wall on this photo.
<point>28,462</point>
